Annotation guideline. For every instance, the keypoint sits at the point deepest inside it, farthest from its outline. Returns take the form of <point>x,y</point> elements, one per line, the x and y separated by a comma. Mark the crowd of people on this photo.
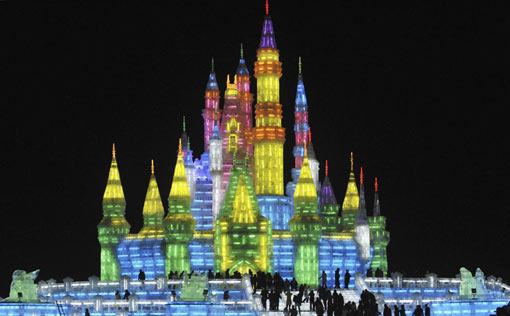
<point>273,288</point>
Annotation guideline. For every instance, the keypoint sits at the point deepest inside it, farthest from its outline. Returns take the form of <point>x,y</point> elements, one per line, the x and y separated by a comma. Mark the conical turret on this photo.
<point>300,120</point>
<point>328,205</point>
<point>179,225</point>
<point>113,227</point>
<point>245,102</point>
<point>351,202</point>
<point>153,210</point>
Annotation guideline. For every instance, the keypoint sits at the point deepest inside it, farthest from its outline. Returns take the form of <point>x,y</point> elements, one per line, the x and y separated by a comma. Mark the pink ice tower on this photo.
<point>212,100</point>
<point>301,127</point>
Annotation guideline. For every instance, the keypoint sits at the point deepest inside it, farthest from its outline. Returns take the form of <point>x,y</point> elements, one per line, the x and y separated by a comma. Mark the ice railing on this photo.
<point>450,286</point>
<point>105,301</point>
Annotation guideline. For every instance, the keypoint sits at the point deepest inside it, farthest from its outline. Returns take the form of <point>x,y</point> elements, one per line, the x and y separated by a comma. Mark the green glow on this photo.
<point>243,238</point>
<point>179,225</point>
<point>23,283</point>
<point>113,227</point>
<point>379,238</point>
<point>305,228</point>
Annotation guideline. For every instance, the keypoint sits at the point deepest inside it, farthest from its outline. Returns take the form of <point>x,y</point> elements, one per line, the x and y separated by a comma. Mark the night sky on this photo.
<point>415,89</point>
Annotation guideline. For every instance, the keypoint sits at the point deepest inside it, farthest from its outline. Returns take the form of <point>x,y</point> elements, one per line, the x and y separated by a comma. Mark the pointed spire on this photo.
<point>113,193</point>
<point>267,40</point>
<point>153,210</point>
<point>326,167</point>
<point>184,123</point>
<point>212,84</point>
<point>242,69</point>
<point>242,208</point>
<point>242,51</point>
<point>299,65</point>
<point>305,188</point>
<point>362,211</point>
<point>180,190</point>
<point>377,207</point>
<point>351,200</point>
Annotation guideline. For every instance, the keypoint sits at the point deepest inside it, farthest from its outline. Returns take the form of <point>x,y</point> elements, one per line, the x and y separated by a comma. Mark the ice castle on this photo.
<point>230,210</point>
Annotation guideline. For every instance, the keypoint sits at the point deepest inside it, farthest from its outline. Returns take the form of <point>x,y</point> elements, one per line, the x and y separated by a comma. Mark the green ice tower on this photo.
<point>379,237</point>
<point>243,237</point>
<point>305,228</point>
<point>351,203</point>
<point>113,227</point>
<point>179,225</point>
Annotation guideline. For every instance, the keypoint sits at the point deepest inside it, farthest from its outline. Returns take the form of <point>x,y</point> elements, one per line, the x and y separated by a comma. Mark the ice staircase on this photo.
<point>349,296</point>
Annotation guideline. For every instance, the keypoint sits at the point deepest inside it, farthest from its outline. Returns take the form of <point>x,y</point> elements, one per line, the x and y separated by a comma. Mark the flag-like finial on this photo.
<point>299,65</point>
<point>361,176</point>
<point>267,7</point>
<point>180,146</point>
<point>306,149</point>
<point>113,151</point>
<point>376,185</point>
<point>326,167</point>
<point>212,64</point>
<point>152,166</point>
<point>352,162</point>
<point>235,79</point>
<point>228,79</point>
<point>184,123</point>
<point>242,51</point>
<point>309,135</point>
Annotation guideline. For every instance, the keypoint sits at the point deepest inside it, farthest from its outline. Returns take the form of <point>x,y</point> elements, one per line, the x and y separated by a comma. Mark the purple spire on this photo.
<point>212,84</point>
<point>362,210</point>
<point>267,40</point>
<point>327,194</point>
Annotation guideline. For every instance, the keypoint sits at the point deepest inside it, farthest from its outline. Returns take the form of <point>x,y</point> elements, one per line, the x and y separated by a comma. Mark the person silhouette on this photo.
<point>418,311</point>
<point>141,276</point>
<point>87,313</point>
<point>395,311</point>
<point>337,278</point>
<point>126,295</point>
<point>347,279</point>
<point>427,310</point>
<point>387,310</point>
<point>324,278</point>
<point>402,310</point>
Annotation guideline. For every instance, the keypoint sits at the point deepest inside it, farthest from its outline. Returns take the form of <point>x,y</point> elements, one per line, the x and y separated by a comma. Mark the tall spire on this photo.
<point>242,51</point>
<point>153,210</point>
<point>326,168</point>
<point>267,40</point>
<point>180,197</point>
<point>301,127</point>
<point>305,188</point>
<point>212,100</point>
<point>377,207</point>
<point>362,211</point>
<point>114,194</point>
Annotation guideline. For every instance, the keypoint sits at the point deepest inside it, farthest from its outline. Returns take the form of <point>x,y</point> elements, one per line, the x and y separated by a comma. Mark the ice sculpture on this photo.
<point>23,288</point>
<point>193,288</point>
<point>471,287</point>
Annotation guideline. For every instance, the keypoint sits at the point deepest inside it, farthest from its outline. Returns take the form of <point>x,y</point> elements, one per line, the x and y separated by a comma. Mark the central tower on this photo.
<point>269,135</point>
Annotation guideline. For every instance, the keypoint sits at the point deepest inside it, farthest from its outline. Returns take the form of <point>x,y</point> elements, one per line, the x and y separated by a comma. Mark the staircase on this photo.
<point>349,296</point>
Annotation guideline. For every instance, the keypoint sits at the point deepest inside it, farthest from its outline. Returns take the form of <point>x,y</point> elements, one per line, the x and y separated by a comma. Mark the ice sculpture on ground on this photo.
<point>193,288</point>
<point>471,287</point>
<point>23,288</point>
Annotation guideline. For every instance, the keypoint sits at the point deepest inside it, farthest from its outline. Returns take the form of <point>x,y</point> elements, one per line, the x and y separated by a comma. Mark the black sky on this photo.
<point>415,89</point>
